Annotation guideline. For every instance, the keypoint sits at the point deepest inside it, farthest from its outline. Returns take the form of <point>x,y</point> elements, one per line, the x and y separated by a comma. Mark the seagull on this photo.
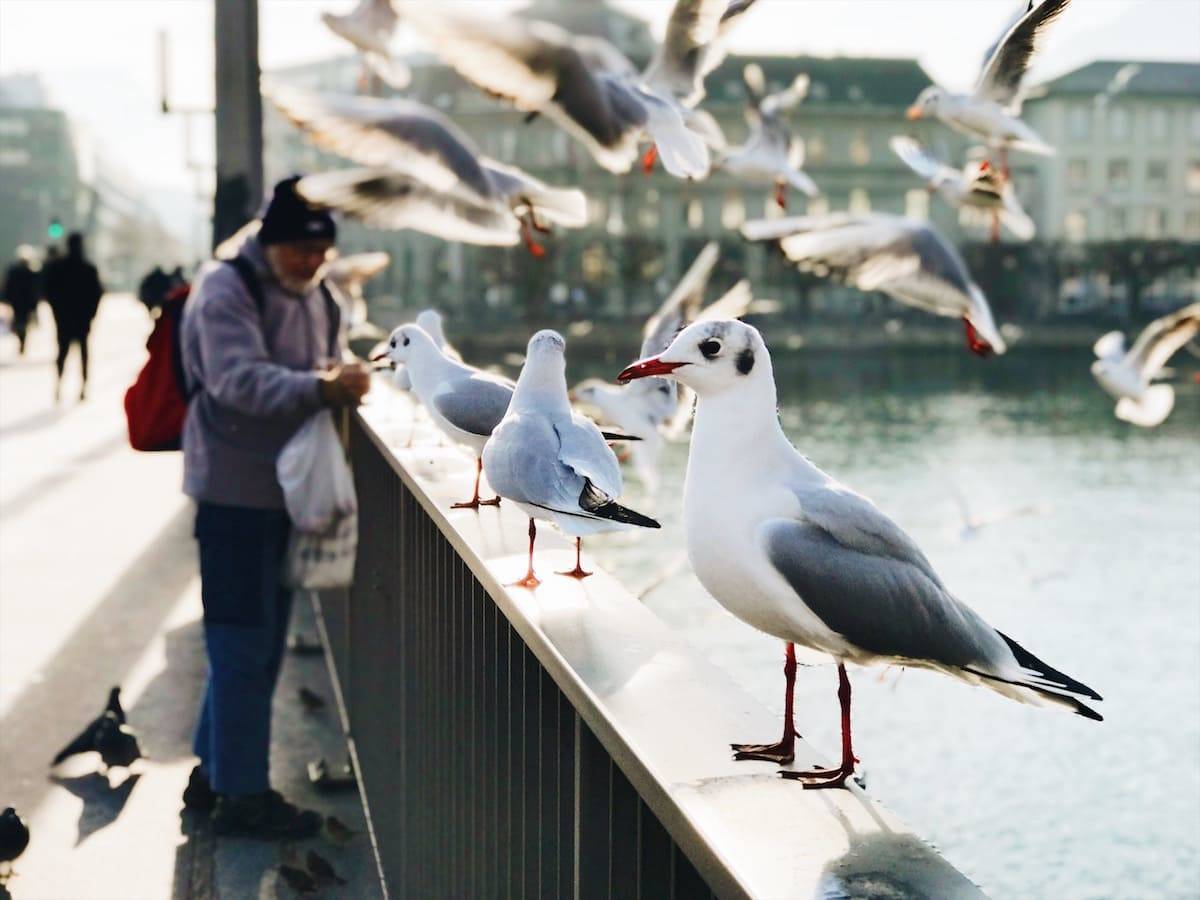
<point>553,463</point>
<point>977,186</point>
<point>1126,374</point>
<point>430,320</point>
<point>370,27</point>
<point>905,259</point>
<point>652,409</point>
<point>787,549</point>
<point>990,112</point>
<point>347,274</point>
<point>772,153</point>
<point>107,735</point>
<point>421,171</point>
<point>583,84</point>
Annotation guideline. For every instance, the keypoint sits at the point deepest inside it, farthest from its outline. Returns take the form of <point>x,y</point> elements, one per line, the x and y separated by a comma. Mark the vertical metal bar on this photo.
<point>654,856</point>
<point>593,806</point>
<point>568,747</point>
<point>623,833</point>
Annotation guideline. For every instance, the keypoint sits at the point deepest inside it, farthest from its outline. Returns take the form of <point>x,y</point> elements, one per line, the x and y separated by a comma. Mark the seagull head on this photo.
<point>709,357</point>
<point>404,344</point>
<point>543,378</point>
<point>927,104</point>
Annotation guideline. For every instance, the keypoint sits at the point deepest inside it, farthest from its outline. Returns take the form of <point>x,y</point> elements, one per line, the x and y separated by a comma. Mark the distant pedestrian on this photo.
<point>261,351</point>
<point>73,291</point>
<point>153,289</point>
<point>21,292</point>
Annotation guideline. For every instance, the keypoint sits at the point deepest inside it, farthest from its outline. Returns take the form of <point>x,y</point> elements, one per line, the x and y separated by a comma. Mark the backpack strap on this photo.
<point>245,270</point>
<point>333,312</point>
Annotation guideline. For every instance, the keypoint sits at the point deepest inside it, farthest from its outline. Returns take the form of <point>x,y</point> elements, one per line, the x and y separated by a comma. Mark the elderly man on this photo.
<point>260,351</point>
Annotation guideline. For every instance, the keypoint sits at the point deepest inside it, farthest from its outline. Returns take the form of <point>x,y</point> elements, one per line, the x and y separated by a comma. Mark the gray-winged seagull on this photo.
<point>792,552</point>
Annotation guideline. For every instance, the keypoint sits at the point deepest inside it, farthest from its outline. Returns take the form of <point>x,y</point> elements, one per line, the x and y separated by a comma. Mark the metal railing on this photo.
<point>502,754</point>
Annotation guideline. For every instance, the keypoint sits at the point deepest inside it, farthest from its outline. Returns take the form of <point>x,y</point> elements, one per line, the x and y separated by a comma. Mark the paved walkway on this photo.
<point>98,586</point>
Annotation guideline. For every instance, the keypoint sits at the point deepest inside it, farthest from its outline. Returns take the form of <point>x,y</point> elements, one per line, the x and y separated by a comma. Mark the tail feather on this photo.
<point>597,504</point>
<point>1150,409</point>
<point>1046,672</point>
<point>1046,683</point>
<point>562,206</point>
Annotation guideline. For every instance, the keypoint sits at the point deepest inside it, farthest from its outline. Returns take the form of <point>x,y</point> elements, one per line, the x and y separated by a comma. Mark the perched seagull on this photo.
<point>652,408</point>
<point>903,258</point>
<point>370,27</point>
<point>107,735</point>
<point>792,552</point>
<point>465,403</point>
<point>1126,374</point>
<point>429,320</point>
<point>772,153</point>
<point>584,84</point>
<point>990,112</point>
<point>552,462</point>
<point>348,274</point>
<point>422,172</point>
<point>977,186</point>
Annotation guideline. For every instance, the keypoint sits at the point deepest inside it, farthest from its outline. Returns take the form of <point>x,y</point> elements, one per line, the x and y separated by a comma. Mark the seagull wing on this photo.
<point>384,198</point>
<point>561,206</point>
<point>356,268</point>
<point>675,69</point>
<point>583,449</point>
<point>1160,340</point>
<point>921,161</point>
<point>1001,78</point>
<point>369,26</point>
<point>681,304</point>
<point>83,742</point>
<point>474,404</point>
<point>790,97</point>
<point>400,134</point>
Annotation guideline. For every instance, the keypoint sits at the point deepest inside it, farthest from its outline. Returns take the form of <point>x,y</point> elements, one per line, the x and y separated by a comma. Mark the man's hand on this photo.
<point>344,385</point>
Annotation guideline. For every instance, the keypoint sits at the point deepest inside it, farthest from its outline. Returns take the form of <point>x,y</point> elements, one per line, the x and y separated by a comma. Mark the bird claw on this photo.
<point>822,779</point>
<point>530,581</point>
<point>577,573</point>
<point>475,503</point>
<point>780,753</point>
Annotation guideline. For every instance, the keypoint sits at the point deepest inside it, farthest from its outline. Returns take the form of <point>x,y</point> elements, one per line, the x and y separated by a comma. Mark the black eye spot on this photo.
<point>406,340</point>
<point>710,348</point>
<point>666,388</point>
<point>745,361</point>
<point>392,343</point>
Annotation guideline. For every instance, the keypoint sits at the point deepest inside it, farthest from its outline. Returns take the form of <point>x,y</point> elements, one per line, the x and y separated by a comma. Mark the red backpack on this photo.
<point>156,403</point>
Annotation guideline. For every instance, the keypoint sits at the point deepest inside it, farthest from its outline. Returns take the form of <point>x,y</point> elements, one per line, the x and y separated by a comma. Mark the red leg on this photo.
<point>1004,170</point>
<point>530,580</point>
<point>995,227</point>
<point>649,158</point>
<point>785,750</point>
<point>535,249</point>
<point>781,194</point>
<point>577,572</point>
<point>975,342</point>
<point>834,778</point>
<point>475,502</point>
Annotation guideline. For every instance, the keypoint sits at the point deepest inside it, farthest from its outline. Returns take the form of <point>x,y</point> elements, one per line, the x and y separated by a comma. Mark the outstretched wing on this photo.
<point>1162,338</point>
<point>681,304</point>
<point>1001,78</point>
<point>917,158</point>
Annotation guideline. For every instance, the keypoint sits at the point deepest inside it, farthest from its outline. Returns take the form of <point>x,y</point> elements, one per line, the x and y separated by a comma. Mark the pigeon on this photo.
<point>322,869</point>
<point>905,259</point>
<point>107,735</point>
<point>310,700</point>
<point>14,837</point>
<point>772,153</point>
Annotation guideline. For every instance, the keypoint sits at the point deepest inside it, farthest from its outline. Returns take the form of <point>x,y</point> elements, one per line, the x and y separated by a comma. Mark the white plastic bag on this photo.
<point>318,486</point>
<point>323,561</point>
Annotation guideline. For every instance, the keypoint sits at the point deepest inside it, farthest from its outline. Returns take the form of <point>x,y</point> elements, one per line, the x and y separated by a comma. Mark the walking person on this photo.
<point>260,350</point>
<point>73,290</point>
<point>21,293</point>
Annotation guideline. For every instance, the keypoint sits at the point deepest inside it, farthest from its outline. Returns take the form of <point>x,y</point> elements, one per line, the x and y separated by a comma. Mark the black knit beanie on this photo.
<point>289,217</point>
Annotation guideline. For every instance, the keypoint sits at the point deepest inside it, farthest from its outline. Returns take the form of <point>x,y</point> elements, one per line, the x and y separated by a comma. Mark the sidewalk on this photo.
<point>98,587</point>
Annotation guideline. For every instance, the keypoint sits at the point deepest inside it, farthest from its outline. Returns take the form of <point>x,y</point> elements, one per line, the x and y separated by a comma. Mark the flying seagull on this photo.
<point>787,549</point>
<point>905,259</point>
<point>1126,374</point>
<point>370,27</point>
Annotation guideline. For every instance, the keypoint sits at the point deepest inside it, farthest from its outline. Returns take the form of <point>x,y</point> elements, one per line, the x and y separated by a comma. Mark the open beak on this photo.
<point>378,357</point>
<point>913,113</point>
<point>648,367</point>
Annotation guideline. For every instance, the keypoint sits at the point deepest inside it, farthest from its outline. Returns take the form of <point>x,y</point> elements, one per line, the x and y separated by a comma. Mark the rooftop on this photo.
<point>1143,79</point>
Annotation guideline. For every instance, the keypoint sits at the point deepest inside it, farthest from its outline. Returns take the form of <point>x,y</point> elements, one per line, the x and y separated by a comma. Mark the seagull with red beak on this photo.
<point>789,550</point>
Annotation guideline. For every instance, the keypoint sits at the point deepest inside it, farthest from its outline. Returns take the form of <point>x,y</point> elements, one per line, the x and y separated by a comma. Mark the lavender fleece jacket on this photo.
<point>255,380</point>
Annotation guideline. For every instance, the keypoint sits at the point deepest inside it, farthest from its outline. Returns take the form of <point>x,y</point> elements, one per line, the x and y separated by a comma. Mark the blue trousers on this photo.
<point>246,612</point>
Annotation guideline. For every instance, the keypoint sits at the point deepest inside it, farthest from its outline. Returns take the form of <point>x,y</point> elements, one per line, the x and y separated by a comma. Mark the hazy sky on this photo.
<point>98,57</point>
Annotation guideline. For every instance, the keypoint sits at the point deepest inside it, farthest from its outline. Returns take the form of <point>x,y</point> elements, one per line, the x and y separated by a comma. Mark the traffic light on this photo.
<point>54,230</point>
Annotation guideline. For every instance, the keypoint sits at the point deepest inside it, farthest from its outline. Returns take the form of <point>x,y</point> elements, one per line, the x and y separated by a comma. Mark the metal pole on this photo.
<point>239,117</point>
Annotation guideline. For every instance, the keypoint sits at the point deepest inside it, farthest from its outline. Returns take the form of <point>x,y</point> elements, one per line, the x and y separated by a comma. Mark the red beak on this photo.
<point>648,367</point>
<point>378,357</point>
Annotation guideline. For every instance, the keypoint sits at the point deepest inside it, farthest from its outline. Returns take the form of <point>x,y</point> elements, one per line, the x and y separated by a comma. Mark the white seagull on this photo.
<point>422,172</point>
<point>789,550</point>
<point>348,274</point>
<point>584,84</point>
<point>772,154</point>
<point>430,321</point>
<point>977,186</point>
<point>554,463</point>
<point>905,259</point>
<point>370,27</point>
<point>1126,374</point>
<point>990,112</point>
<point>652,409</point>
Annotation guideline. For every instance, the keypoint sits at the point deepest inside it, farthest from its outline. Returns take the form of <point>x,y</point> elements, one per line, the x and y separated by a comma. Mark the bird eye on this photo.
<point>666,389</point>
<point>406,340</point>
<point>392,343</point>
<point>710,348</point>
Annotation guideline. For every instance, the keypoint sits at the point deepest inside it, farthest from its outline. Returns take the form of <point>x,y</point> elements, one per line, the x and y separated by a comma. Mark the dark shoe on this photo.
<point>265,816</point>
<point>199,795</point>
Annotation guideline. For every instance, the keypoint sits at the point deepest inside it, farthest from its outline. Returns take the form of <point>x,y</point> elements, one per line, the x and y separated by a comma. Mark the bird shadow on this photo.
<point>102,803</point>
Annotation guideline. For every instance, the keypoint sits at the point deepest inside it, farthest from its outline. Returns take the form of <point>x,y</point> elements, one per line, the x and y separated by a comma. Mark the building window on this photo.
<point>597,211</point>
<point>1077,174</point>
<point>860,150</point>
<point>1193,177</point>
<point>1191,225</point>
<point>855,93</point>
<point>860,202</point>
<point>1156,175</point>
<point>616,216</point>
<point>916,204</point>
<point>1075,226</point>
<point>1118,224</point>
<point>814,149</point>
<point>1118,173</point>
<point>818,91</point>
<point>695,213</point>
<point>1156,224</point>
<point>1079,122</point>
<point>12,157</point>
<point>12,127</point>
<point>733,211</point>
<point>1160,125</point>
<point>648,213</point>
<point>1195,125</point>
<point>1118,123</point>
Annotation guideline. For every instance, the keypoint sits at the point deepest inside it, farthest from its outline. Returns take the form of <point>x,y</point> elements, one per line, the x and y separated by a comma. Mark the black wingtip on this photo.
<point>1027,660</point>
<point>618,436</point>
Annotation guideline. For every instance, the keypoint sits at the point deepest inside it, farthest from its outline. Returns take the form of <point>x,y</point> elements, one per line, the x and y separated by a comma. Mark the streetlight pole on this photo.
<point>239,151</point>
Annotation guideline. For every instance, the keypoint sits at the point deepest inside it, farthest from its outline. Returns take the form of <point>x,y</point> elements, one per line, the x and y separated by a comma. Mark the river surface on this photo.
<point>1091,560</point>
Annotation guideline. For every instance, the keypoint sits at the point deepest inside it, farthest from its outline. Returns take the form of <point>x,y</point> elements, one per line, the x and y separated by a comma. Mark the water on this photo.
<point>1096,570</point>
